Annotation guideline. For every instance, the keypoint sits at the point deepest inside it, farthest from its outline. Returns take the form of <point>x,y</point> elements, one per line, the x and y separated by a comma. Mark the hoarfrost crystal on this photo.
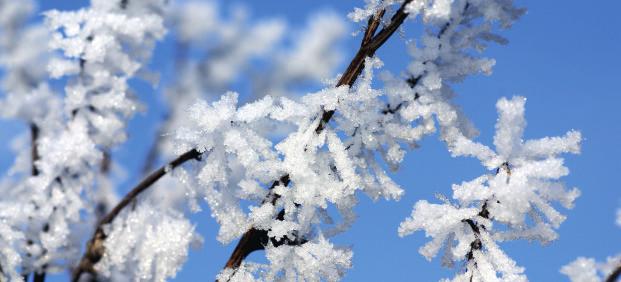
<point>524,182</point>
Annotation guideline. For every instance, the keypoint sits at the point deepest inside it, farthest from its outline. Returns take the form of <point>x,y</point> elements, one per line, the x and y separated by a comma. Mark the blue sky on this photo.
<point>563,56</point>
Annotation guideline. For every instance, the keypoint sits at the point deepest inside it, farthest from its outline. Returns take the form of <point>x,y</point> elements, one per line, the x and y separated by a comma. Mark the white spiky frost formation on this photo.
<point>146,244</point>
<point>524,182</point>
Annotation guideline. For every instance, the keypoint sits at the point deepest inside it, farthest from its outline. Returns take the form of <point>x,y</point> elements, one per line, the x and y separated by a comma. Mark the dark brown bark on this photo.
<point>254,239</point>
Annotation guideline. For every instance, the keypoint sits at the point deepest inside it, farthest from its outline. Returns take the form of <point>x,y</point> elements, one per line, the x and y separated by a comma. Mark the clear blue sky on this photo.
<point>563,56</point>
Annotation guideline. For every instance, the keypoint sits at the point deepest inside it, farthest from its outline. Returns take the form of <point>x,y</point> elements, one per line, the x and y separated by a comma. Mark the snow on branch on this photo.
<point>517,195</point>
<point>371,42</point>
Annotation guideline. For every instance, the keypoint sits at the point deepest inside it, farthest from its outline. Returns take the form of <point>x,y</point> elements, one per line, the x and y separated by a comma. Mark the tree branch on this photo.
<point>369,46</point>
<point>476,244</point>
<point>95,248</point>
<point>371,42</point>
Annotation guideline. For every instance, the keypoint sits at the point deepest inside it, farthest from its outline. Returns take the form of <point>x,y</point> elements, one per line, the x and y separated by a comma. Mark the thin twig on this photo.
<point>34,152</point>
<point>476,244</point>
<point>34,171</point>
<point>94,248</point>
<point>371,42</point>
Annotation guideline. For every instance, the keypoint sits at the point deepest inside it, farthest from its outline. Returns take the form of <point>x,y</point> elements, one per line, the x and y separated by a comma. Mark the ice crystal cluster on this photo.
<point>153,254</point>
<point>520,189</point>
<point>288,165</point>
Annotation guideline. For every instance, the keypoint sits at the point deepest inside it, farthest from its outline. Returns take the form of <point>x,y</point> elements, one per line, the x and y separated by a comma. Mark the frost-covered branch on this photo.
<point>95,249</point>
<point>519,192</point>
<point>254,239</point>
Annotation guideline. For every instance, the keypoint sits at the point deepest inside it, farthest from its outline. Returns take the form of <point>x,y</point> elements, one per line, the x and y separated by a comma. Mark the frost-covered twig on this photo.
<point>95,248</point>
<point>39,276</point>
<point>371,42</point>
<point>517,196</point>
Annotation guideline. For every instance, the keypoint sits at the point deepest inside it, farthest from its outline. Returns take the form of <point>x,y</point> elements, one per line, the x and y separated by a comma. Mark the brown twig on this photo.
<point>371,42</point>
<point>95,248</point>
